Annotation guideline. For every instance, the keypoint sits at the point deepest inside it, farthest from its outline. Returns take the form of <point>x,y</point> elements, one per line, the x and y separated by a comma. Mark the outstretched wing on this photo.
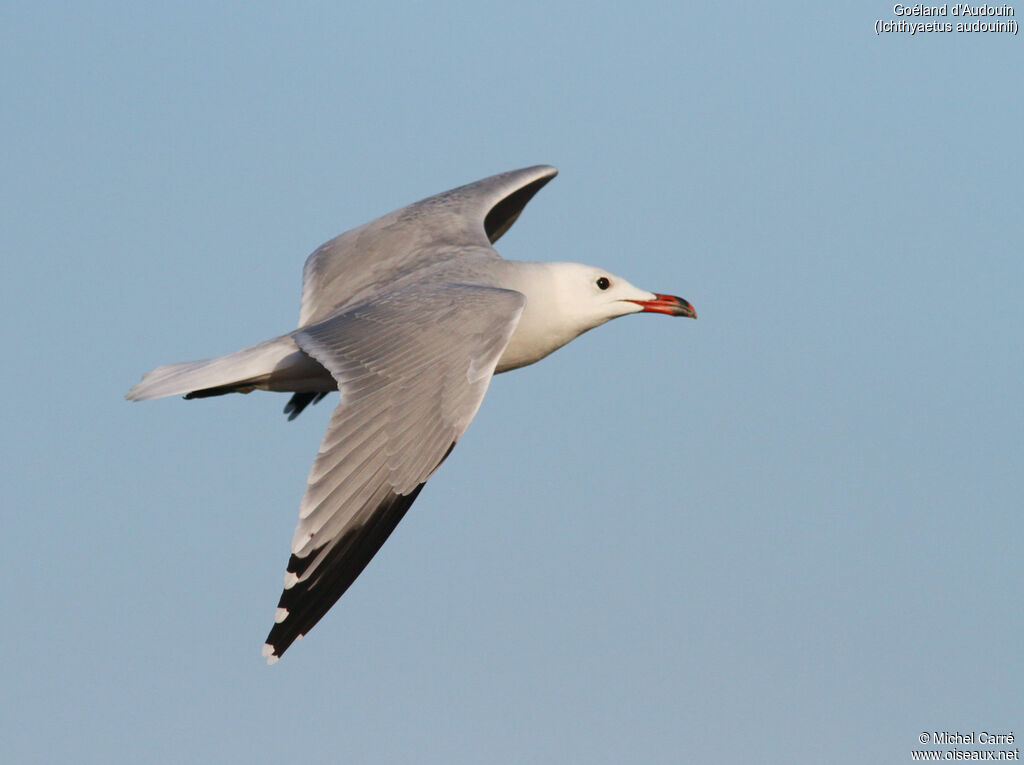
<point>355,266</point>
<point>412,367</point>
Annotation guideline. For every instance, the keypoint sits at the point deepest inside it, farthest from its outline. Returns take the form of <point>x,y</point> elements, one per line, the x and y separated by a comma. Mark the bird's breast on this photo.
<point>535,337</point>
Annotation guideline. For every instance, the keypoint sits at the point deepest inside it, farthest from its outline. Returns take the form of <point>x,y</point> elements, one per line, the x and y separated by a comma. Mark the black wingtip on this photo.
<point>304,603</point>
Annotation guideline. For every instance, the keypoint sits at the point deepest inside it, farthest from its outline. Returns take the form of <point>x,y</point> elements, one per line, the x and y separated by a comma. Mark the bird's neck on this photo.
<point>544,325</point>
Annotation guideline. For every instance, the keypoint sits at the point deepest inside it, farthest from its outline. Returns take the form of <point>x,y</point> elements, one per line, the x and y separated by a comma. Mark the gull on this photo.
<point>408,316</point>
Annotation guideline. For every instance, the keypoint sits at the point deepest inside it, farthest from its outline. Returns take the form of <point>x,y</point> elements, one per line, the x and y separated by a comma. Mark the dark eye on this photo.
<point>603,283</point>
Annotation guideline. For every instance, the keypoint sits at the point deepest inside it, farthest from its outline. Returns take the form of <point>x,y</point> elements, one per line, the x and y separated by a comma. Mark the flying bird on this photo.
<point>408,316</point>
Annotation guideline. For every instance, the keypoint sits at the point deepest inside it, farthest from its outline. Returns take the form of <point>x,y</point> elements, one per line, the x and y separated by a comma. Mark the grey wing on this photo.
<point>412,368</point>
<point>352,268</point>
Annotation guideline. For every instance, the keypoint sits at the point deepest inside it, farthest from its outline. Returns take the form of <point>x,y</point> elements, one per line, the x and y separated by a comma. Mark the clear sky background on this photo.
<point>787,532</point>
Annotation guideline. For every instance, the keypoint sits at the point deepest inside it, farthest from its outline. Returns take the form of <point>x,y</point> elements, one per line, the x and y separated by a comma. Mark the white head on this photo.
<point>564,300</point>
<point>591,296</point>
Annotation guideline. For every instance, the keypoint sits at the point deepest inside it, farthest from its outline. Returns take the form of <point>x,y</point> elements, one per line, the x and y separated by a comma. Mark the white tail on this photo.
<point>276,364</point>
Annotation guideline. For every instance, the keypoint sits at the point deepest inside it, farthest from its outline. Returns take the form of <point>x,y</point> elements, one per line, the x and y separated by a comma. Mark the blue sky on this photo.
<point>787,532</point>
